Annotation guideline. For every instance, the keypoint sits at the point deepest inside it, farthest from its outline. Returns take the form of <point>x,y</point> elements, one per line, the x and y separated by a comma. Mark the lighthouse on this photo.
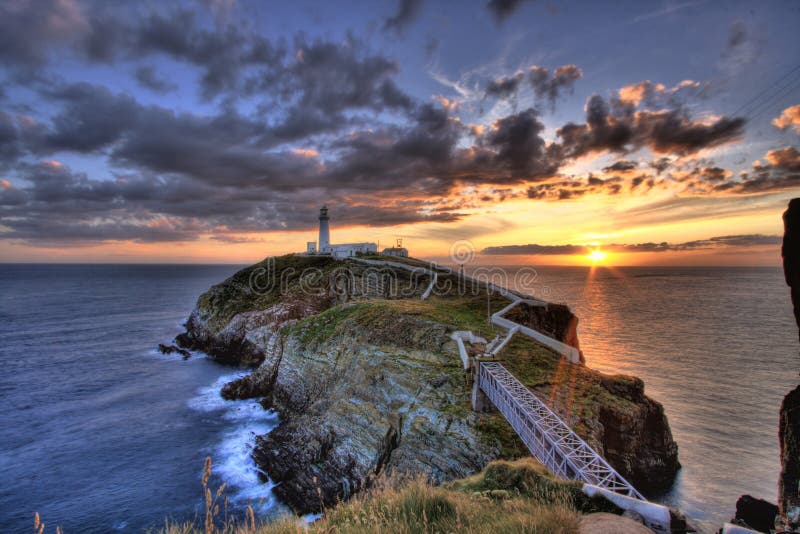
<point>346,250</point>
<point>324,230</point>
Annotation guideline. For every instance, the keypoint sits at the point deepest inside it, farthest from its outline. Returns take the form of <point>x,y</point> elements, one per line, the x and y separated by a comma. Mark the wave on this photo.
<point>232,461</point>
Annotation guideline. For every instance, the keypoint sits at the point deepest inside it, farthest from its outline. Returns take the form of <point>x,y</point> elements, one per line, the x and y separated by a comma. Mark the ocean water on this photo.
<point>98,431</point>
<point>101,433</point>
<point>717,346</point>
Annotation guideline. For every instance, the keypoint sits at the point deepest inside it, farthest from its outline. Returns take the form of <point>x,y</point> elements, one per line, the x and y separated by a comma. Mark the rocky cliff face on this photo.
<point>789,481</point>
<point>366,381</point>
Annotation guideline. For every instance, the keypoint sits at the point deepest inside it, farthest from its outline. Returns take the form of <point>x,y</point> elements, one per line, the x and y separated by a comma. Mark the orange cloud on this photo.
<point>446,102</point>
<point>789,118</point>
<point>636,92</point>
<point>5,184</point>
<point>307,152</point>
<point>787,158</point>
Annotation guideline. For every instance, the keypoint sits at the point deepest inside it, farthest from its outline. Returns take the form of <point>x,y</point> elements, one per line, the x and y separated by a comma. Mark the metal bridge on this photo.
<point>548,438</point>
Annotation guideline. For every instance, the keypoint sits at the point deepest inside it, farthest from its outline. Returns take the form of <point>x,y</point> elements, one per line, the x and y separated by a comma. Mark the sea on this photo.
<point>99,432</point>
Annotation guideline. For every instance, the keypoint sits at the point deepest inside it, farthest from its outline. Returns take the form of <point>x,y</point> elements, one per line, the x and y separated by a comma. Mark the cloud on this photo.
<point>789,118</point>
<point>407,12</point>
<point>549,87</point>
<point>32,32</point>
<point>621,166</point>
<point>518,145</point>
<point>505,87</point>
<point>741,49</point>
<point>655,95</point>
<point>29,29</point>
<point>147,77</point>
<point>667,131</point>
<point>546,86</point>
<point>729,241</point>
<point>787,159</point>
<point>502,9</point>
<point>62,206</point>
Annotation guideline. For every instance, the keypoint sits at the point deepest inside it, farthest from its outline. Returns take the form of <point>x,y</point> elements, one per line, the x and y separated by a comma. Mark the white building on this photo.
<point>345,250</point>
<point>398,251</point>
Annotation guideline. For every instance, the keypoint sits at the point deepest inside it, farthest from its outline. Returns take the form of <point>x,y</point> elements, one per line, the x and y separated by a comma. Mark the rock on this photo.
<point>605,523</point>
<point>637,441</point>
<point>756,514</point>
<point>790,251</point>
<point>365,385</point>
<point>172,349</point>
<point>789,480</point>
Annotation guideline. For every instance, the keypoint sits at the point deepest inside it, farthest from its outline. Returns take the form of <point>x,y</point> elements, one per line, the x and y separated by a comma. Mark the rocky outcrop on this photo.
<point>385,396</point>
<point>172,349</point>
<point>790,251</point>
<point>789,417</point>
<point>789,481</point>
<point>636,438</point>
<point>365,385</point>
<point>755,514</point>
<point>554,320</point>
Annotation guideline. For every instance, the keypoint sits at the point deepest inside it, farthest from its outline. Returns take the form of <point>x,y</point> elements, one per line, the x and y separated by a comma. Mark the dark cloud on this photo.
<point>502,9</point>
<point>92,118</point>
<point>663,131</point>
<point>10,148</point>
<point>29,29</point>
<point>59,206</point>
<point>621,166</point>
<point>741,49</point>
<point>740,241</point>
<point>222,54</point>
<point>660,165</point>
<point>407,12</point>
<point>547,86</point>
<point>505,87</point>
<point>519,147</point>
<point>147,77</point>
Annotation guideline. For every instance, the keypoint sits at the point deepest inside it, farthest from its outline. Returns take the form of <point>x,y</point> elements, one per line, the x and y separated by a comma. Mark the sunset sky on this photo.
<point>661,132</point>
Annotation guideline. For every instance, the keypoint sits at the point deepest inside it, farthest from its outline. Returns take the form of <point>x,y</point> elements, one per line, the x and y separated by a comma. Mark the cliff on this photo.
<point>366,379</point>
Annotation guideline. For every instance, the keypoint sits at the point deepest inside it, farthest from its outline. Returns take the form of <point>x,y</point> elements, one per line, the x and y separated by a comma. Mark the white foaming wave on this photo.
<point>233,462</point>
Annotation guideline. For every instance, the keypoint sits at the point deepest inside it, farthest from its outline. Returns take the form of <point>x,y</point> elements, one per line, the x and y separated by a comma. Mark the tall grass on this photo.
<point>508,497</point>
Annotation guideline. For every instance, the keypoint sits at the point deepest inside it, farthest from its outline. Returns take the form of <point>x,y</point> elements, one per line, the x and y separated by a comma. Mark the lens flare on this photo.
<point>596,256</point>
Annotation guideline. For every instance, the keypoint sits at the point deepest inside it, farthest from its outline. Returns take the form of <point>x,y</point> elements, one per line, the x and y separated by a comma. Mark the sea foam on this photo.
<point>232,461</point>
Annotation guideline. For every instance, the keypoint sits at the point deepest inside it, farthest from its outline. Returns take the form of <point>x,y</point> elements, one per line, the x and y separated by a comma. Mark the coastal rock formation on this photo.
<point>367,380</point>
<point>172,349</point>
<point>756,514</point>
<point>790,251</point>
<point>789,429</point>
<point>789,481</point>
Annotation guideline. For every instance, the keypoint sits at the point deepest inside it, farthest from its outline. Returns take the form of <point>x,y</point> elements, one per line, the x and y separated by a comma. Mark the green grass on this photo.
<point>576,389</point>
<point>508,497</point>
<point>401,323</point>
<point>251,288</point>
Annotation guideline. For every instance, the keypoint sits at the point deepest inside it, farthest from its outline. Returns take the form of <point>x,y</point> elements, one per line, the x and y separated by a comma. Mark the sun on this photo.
<point>596,256</point>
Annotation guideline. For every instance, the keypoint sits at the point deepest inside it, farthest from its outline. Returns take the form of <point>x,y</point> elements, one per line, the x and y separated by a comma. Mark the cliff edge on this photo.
<point>366,378</point>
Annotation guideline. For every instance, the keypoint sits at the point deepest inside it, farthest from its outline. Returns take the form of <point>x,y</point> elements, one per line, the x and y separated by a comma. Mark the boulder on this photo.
<point>756,514</point>
<point>172,349</point>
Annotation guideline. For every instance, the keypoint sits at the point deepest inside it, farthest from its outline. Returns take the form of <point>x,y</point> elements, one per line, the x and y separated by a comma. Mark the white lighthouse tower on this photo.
<point>324,230</point>
<point>346,250</point>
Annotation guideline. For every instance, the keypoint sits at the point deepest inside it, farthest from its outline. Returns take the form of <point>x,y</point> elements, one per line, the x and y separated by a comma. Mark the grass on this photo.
<point>508,497</point>
<point>258,286</point>
<point>573,389</point>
